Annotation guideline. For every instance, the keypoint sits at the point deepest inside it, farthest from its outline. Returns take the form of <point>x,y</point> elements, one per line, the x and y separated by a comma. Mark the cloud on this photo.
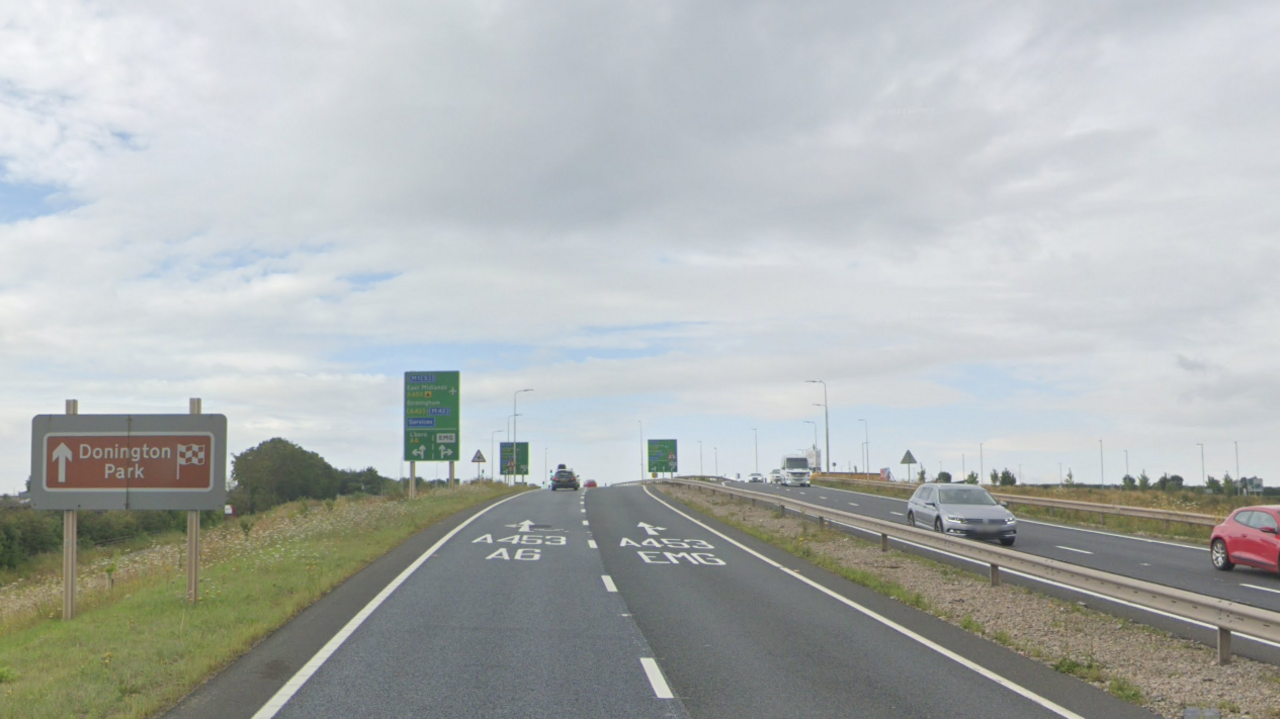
<point>1050,222</point>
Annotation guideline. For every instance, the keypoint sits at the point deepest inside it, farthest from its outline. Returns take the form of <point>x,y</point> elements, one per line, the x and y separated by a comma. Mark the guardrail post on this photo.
<point>884,542</point>
<point>822,522</point>
<point>995,575</point>
<point>1224,646</point>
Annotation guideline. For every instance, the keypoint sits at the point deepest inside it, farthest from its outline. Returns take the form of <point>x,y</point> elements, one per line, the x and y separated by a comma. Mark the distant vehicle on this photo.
<point>755,477</point>
<point>775,476</point>
<point>963,510</point>
<point>590,483</point>
<point>795,470</point>
<point>564,479</point>
<point>1249,536</point>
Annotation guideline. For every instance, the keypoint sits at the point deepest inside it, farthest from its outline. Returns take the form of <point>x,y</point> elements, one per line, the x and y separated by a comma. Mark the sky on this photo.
<point>1038,236</point>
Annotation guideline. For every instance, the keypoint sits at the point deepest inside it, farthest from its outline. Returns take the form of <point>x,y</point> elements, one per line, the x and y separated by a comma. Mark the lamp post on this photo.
<point>716,455</point>
<point>1237,444</point>
<point>700,459</point>
<point>493,457</point>
<point>981,467</point>
<point>1102,469</point>
<point>1201,445</point>
<point>641,421</point>
<point>1126,463</point>
<point>826,420</point>
<point>510,420</point>
<point>514,437</point>
<point>866,437</point>
<point>755,440</point>
<point>815,431</point>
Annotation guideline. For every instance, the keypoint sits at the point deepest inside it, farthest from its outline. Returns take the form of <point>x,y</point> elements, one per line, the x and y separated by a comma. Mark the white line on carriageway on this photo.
<point>591,543</point>
<point>1265,589</point>
<point>656,680</point>
<point>1060,585</point>
<point>896,514</point>
<point>1073,549</point>
<point>608,583</point>
<point>924,641</point>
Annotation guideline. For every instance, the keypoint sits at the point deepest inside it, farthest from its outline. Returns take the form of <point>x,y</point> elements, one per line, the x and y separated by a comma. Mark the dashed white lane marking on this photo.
<point>584,510</point>
<point>656,680</point>
<point>1265,589</point>
<point>592,543</point>
<point>608,583</point>
<point>1073,549</point>
<point>1060,585</point>
<point>971,665</point>
<point>291,687</point>
<point>853,504</point>
<point>896,514</point>
<point>585,523</point>
<point>821,497</point>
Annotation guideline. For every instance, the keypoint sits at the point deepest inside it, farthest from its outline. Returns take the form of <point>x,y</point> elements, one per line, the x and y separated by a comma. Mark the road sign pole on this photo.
<point>70,541</point>
<point>413,480</point>
<point>193,534</point>
<point>451,476</point>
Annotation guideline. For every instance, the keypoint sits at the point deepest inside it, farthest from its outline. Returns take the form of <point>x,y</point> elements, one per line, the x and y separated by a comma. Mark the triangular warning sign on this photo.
<point>908,459</point>
<point>478,458</point>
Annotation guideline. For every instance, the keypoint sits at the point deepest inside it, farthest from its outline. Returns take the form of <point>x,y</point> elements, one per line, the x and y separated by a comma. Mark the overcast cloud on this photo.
<point>1030,225</point>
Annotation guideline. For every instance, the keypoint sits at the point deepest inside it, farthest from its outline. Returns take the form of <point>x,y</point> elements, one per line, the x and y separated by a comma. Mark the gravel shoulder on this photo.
<point>1163,673</point>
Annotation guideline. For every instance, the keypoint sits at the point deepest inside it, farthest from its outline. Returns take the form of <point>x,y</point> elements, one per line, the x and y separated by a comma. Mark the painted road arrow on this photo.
<point>62,455</point>
<point>525,526</point>
<point>652,530</point>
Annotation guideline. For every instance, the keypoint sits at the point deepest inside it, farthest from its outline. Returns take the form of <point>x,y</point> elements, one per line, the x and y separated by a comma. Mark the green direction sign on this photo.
<point>662,455</point>
<point>431,421</point>
<point>521,464</point>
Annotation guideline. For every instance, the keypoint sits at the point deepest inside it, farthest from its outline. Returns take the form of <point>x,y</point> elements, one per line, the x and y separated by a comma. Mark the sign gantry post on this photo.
<point>70,530</point>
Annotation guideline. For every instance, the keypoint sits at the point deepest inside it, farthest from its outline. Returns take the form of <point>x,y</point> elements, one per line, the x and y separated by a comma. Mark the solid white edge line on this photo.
<point>963,661</point>
<point>656,680</point>
<point>1265,589</point>
<point>291,687</point>
<point>592,543</point>
<point>1068,587</point>
<point>608,583</point>
<point>1068,527</point>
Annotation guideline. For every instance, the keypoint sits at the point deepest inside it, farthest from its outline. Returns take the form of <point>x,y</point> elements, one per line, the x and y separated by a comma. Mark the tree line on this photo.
<point>273,473</point>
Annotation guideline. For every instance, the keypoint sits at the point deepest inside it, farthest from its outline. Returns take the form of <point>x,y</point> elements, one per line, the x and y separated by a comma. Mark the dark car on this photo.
<point>564,479</point>
<point>1250,536</point>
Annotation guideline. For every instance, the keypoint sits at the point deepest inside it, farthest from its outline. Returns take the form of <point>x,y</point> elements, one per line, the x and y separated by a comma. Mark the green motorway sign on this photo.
<point>662,455</point>
<point>521,464</point>
<point>431,420</point>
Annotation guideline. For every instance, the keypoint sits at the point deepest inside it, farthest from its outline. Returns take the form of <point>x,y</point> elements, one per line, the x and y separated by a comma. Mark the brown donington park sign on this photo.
<point>148,461</point>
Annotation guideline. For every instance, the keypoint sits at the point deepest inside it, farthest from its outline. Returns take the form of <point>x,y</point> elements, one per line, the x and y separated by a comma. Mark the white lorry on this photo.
<point>795,470</point>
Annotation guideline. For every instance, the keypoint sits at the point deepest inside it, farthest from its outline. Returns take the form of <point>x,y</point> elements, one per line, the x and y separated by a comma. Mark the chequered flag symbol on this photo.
<point>190,454</point>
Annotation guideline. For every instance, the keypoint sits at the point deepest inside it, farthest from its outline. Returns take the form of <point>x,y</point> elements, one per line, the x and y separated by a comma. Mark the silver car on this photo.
<point>963,510</point>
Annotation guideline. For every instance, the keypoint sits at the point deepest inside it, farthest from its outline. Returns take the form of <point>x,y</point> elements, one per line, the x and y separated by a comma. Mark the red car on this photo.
<point>590,483</point>
<point>1250,536</point>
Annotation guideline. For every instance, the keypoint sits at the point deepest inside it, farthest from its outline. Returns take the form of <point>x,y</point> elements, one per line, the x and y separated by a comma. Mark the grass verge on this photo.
<point>146,649</point>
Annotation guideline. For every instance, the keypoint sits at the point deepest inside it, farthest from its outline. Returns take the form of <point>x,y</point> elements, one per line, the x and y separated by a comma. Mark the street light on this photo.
<point>511,418</point>
<point>1201,445</point>
<point>495,459</point>
<point>641,421</point>
<point>1102,468</point>
<point>700,474</point>
<point>826,420</point>
<point>514,437</point>
<point>866,437</point>
<point>981,467</point>
<point>716,454</point>
<point>815,431</point>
